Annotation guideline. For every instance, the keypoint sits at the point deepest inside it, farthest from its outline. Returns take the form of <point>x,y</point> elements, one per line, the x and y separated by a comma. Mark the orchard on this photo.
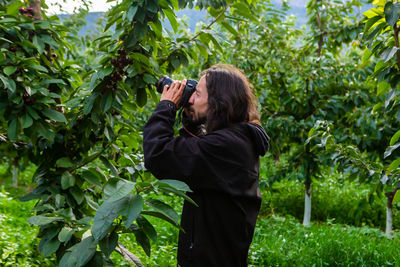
<point>74,189</point>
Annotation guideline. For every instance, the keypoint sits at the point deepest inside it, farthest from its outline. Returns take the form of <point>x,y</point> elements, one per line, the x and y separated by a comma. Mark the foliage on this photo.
<point>78,117</point>
<point>285,242</point>
<point>335,199</point>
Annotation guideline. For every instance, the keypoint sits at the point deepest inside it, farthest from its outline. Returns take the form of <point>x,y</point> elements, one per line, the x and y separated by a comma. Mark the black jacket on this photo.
<point>222,169</point>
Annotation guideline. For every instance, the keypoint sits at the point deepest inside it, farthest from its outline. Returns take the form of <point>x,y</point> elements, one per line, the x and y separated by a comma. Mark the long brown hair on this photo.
<point>230,97</point>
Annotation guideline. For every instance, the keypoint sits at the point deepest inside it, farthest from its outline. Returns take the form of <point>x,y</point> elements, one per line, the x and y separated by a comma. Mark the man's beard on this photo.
<point>193,119</point>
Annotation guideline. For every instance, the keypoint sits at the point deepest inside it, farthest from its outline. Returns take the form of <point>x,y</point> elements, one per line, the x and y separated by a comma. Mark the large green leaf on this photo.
<point>67,180</point>
<point>132,208</point>
<point>54,115</point>
<point>164,208</point>
<point>77,193</point>
<point>49,246</point>
<point>65,234</point>
<point>8,83</point>
<point>143,241</point>
<point>392,13</point>
<point>178,185</point>
<point>9,70</point>
<point>79,254</point>
<point>388,53</point>
<point>105,216</point>
<point>42,220</point>
<point>108,244</point>
<point>117,189</point>
<point>147,228</point>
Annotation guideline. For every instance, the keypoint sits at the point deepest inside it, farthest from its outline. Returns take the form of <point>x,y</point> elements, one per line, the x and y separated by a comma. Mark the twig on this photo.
<point>396,40</point>
<point>129,256</point>
<point>209,26</point>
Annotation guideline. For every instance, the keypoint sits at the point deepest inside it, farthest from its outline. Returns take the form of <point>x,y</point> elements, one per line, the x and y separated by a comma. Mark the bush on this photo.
<point>332,200</point>
<point>285,242</point>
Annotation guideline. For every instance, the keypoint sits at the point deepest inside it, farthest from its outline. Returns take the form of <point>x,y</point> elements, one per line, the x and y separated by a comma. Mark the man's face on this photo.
<point>197,111</point>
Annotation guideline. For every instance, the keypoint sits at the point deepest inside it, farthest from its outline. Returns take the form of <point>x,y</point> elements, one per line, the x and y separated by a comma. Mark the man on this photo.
<point>221,166</point>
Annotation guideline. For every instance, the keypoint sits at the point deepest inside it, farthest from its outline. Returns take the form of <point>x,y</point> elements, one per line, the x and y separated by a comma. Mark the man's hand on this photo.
<point>174,93</point>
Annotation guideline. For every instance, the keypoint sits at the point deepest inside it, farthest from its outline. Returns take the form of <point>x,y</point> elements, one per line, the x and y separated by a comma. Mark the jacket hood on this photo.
<point>260,138</point>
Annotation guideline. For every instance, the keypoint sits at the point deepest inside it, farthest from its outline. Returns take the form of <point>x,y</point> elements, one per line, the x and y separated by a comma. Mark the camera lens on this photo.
<point>165,80</point>
<point>187,92</point>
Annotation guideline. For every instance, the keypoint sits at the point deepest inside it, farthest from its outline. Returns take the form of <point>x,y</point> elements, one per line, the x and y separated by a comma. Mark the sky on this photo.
<point>69,5</point>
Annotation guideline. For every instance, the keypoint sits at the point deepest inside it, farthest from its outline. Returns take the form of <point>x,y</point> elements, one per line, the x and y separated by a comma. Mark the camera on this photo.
<point>187,91</point>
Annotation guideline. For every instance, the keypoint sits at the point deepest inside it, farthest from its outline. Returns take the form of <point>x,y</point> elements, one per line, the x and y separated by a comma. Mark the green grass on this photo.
<point>18,242</point>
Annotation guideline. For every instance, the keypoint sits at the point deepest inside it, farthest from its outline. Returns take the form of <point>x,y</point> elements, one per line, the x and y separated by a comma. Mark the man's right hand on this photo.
<point>174,93</point>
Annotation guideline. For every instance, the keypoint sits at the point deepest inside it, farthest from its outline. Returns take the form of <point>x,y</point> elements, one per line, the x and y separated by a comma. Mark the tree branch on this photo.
<point>129,256</point>
<point>209,26</point>
<point>396,40</point>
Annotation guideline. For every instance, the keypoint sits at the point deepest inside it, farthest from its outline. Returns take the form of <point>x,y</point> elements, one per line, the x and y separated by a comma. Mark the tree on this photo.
<point>81,122</point>
<point>301,77</point>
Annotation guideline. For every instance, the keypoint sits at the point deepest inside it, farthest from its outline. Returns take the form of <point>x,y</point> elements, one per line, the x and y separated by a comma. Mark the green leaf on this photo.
<point>64,163</point>
<point>13,129</point>
<point>54,115</point>
<point>390,149</point>
<point>132,209</point>
<point>26,121</point>
<point>371,22</point>
<point>67,180</point>
<point>117,188</point>
<point>143,241</point>
<point>8,83</point>
<point>9,70</point>
<point>42,220</point>
<point>108,244</point>
<point>49,246</point>
<point>39,44</point>
<point>65,234</point>
<point>109,165</point>
<point>77,193</point>
<point>39,68</point>
<point>89,104</point>
<point>172,19</point>
<point>79,254</point>
<point>12,9</point>
<point>106,101</point>
<point>147,228</point>
<point>141,97</point>
<point>178,185</point>
<point>393,165</point>
<point>163,208</point>
<point>394,138</point>
<point>388,53</point>
<point>91,178</point>
<point>392,13</point>
<point>179,193</point>
<point>105,216</point>
<point>131,12</point>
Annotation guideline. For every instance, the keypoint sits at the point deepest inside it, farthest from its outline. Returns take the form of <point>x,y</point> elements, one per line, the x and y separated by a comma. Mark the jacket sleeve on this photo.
<point>181,158</point>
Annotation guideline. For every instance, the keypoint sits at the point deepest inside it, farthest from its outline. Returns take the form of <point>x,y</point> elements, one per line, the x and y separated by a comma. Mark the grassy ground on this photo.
<point>278,240</point>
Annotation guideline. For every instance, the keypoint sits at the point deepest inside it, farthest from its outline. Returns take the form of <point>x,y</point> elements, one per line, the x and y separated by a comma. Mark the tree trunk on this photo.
<point>15,172</point>
<point>307,203</point>
<point>37,9</point>
<point>389,212</point>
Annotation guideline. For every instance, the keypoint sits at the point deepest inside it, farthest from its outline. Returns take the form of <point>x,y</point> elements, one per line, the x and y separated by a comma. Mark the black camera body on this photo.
<point>187,91</point>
